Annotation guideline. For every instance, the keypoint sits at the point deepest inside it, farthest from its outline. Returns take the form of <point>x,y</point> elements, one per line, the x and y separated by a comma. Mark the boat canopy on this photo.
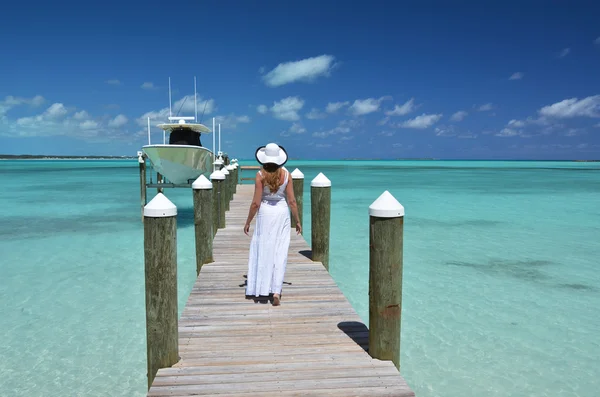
<point>196,127</point>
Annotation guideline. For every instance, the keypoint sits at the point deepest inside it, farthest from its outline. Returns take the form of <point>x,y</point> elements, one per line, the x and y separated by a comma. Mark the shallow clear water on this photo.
<point>500,292</point>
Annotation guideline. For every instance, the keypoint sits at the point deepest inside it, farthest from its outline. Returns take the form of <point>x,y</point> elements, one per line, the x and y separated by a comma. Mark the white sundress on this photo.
<point>270,243</point>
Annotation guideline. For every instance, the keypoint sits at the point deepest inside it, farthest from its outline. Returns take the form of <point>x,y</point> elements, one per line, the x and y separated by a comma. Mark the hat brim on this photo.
<point>279,160</point>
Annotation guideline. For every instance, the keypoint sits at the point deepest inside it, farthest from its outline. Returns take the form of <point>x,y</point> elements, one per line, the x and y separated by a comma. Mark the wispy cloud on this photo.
<point>113,82</point>
<point>148,86</point>
<point>295,129</point>
<point>573,107</point>
<point>361,107</point>
<point>597,41</point>
<point>315,114</point>
<point>404,109</point>
<point>262,109</point>
<point>421,122</point>
<point>486,107</point>
<point>459,116</point>
<point>564,52</point>
<point>287,108</point>
<point>119,121</point>
<point>333,107</point>
<point>517,76</point>
<point>305,70</point>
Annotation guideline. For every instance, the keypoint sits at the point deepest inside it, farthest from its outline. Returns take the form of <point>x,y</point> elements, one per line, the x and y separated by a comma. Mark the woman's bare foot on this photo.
<point>276,300</point>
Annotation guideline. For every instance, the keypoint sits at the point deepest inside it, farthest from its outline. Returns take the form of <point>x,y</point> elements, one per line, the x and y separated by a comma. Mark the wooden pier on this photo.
<point>313,344</point>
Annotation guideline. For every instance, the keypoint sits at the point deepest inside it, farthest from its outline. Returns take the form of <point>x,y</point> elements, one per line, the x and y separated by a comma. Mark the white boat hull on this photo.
<point>180,163</point>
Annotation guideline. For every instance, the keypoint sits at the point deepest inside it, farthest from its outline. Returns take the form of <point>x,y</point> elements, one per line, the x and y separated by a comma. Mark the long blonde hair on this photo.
<point>272,177</point>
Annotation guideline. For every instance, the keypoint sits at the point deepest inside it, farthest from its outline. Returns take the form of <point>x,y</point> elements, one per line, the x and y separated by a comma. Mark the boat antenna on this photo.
<point>182,103</point>
<point>214,153</point>
<point>195,102</point>
<point>203,110</point>
<point>170,114</point>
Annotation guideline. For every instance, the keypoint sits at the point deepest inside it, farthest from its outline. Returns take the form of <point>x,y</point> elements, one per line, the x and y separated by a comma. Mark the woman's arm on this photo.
<point>255,205</point>
<point>291,200</point>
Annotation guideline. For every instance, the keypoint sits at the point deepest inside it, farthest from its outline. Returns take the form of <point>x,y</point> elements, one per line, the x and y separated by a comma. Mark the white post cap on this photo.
<point>224,171</point>
<point>297,174</point>
<point>230,167</point>
<point>217,176</point>
<point>386,206</point>
<point>202,183</point>
<point>218,162</point>
<point>160,207</point>
<point>320,181</point>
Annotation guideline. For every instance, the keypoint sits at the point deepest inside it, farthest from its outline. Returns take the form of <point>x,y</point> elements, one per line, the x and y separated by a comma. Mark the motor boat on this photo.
<point>183,158</point>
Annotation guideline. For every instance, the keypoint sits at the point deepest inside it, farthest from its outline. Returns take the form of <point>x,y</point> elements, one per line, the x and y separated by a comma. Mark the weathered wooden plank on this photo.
<point>313,344</point>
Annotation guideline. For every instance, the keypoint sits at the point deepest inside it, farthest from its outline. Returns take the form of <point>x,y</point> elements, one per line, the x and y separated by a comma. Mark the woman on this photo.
<point>273,199</point>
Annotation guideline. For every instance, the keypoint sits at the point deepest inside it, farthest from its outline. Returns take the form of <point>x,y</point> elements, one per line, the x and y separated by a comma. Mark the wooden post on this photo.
<point>218,178</point>
<point>226,184</point>
<point>236,176</point>
<point>160,259</point>
<point>320,202</point>
<point>231,179</point>
<point>143,199</point>
<point>159,179</point>
<point>386,224</point>
<point>203,222</point>
<point>298,181</point>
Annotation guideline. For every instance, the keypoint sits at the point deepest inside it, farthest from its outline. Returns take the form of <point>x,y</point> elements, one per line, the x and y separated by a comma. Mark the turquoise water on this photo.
<point>501,276</point>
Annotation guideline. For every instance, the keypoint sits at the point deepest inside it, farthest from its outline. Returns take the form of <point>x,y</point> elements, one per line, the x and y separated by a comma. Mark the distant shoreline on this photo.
<point>56,157</point>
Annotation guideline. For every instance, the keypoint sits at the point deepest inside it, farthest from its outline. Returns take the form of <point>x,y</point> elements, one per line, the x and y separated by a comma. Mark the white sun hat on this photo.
<point>271,153</point>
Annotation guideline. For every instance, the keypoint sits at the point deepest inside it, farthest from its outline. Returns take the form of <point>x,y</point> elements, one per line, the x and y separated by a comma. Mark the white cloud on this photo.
<point>507,132</point>
<point>459,116</point>
<point>119,121</point>
<point>445,131</point>
<point>81,115</point>
<point>323,145</point>
<point>305,70</point>
<point>148,86</point>
<point>573,107</point>
<point>597,41</point>
<point>183,107</point>
<point>361,107</point>
<point>516,123</point>
<point>60,120</point>
<point>485,107</point>
<point>333,107</point>
<point>564,52</point>
<point>295,129</point>
<point>346,138</point>
<point>262,109</point>
<point>113,82</point>
<point>10,102</point>
<point>287,108</point>
<point>88,125</point>
<point>422,121</point>
<point>231,121</point>
<point>517,76</point>
<point>343,127</point>
<point>404,109</point>
<point>315,114</point>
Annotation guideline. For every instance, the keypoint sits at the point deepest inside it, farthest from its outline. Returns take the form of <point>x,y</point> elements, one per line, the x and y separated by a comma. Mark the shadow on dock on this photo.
<point>357,331</point>
<point>306,253</point>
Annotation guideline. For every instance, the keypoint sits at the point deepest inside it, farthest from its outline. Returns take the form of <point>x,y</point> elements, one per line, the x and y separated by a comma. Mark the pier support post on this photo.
<point>231,178</point>
<point>386,226</point>
<point>236,175</point>
<point>226,184</point>
<point>320,202</point>
<point>143,199</point>
<point>203,222</point>
<point>298,181</point>
<point>159,179</point>
<point>218,178</point>
<point>160,262</point>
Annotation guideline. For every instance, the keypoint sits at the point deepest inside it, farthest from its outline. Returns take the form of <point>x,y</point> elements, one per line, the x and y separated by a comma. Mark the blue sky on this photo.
<point>378,79</point>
